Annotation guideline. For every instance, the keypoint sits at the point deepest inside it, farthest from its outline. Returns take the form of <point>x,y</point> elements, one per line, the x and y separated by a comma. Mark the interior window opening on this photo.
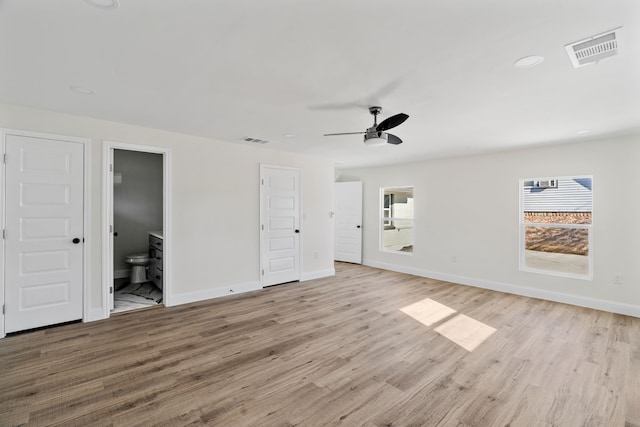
<point>397,219</point>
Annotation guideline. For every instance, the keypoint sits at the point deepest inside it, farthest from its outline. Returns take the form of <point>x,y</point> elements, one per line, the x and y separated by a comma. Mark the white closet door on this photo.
<point>348,222</point>
<point>44,232</point>
<point>280,225</point>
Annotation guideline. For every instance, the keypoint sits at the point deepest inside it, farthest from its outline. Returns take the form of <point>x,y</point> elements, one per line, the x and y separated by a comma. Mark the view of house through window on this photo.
<point>556,225</point>
<point>397,219</point>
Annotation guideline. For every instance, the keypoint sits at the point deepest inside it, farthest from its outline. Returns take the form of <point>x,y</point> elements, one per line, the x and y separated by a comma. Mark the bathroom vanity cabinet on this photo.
<point>155,258</point>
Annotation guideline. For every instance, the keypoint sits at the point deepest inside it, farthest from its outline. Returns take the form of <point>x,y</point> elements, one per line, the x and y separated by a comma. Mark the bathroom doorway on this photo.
<point>136,213</point>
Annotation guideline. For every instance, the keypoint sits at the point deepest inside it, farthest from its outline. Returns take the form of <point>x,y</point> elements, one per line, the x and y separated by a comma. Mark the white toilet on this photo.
<point>138,263</point>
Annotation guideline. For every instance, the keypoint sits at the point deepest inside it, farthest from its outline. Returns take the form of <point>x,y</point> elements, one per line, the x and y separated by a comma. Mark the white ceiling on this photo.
<point>263,69</point>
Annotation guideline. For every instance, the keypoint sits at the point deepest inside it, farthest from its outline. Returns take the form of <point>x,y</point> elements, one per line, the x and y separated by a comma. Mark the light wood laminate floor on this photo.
<point>333,351</point>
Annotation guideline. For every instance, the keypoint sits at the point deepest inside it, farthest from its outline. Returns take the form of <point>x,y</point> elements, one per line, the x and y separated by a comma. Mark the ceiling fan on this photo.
<point>376,134</point>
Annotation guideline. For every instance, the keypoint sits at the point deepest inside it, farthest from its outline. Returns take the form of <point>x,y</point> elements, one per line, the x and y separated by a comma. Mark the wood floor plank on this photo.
<point>333,351</point>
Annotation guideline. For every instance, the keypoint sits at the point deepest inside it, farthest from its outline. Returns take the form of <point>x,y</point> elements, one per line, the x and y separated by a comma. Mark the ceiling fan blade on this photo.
<point>344,133</point>
<point>392,139</point>
<point>391,122</point>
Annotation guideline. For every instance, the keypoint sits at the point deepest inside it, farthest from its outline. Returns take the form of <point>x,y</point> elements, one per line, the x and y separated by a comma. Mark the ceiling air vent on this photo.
<point>255,140</point>
<point>594,49</point>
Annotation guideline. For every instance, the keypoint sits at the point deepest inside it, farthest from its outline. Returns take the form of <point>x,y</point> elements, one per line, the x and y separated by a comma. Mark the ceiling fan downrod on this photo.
<point>375,111</point>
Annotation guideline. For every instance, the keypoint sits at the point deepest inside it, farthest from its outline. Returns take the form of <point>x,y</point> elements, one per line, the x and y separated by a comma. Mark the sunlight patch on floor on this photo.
<point>468,333</point>
<point>428,311</point>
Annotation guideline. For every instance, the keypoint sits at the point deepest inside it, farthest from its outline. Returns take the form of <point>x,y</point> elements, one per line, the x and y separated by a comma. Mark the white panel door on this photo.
<point>280,225</point>
<point>348,222</point>
<point>44,232</point>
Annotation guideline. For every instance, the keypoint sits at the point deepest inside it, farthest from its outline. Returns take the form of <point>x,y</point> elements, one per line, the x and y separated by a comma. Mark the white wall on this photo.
<point>214,248</point>
<point>467,213</point>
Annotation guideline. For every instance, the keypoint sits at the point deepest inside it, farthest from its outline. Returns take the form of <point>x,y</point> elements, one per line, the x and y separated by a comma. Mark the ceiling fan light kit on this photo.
<point>374,141</point>
<point>376,135</point>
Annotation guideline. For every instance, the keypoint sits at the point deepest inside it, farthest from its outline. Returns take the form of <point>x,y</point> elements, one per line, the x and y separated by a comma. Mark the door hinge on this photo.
<point>111,229</point>
<point>262,181</point>
<point>4,158</point>
<point>110,167</point>
<point>2,308</point>
<point>4,233</point>
<point>263,272</point>
<point>110,289</point>
<point>262,226</point>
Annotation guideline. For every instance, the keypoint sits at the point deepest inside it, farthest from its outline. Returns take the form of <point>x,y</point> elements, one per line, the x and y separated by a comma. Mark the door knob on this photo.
<point>357,226</point>
<point>76,240</point>
<point>296,231</point>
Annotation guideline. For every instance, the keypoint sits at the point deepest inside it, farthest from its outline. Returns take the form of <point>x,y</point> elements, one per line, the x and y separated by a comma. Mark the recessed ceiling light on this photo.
<point>583,131</point>
<point>106,4</point>
<point>528,61</point>
<point>82,90</point>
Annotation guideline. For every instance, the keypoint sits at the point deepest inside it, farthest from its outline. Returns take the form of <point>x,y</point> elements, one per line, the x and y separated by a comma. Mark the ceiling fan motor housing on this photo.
<point>372,132</point>
<point>374,137</point>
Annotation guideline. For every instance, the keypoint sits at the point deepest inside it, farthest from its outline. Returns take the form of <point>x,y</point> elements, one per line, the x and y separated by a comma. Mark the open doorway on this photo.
<point>136,213</point>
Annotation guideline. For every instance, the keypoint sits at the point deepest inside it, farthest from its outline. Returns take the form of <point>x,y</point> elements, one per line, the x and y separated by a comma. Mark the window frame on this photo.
<point>523,227</point>
<point>386,223</point>
<point>387,203</point>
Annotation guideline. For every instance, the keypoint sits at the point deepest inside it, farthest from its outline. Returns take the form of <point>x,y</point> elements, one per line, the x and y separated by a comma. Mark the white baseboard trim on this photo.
<point>317,274</point>
<point>94,314</point>
<point>214,293</point>
<point>581,301</point>
<point>238,289</point>
<point>121,274</point>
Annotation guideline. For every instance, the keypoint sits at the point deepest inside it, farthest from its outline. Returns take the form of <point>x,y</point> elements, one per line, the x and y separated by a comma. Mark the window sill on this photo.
<point>389,251</point>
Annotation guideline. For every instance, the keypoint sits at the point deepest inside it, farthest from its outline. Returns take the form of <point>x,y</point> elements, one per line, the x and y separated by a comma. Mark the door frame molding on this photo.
<point>86,213</point>
<point>264,166</point>
<point>107,211</point>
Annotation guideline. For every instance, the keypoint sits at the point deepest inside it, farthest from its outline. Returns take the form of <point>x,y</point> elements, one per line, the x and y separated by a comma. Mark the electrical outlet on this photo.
<point>617,279</point>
